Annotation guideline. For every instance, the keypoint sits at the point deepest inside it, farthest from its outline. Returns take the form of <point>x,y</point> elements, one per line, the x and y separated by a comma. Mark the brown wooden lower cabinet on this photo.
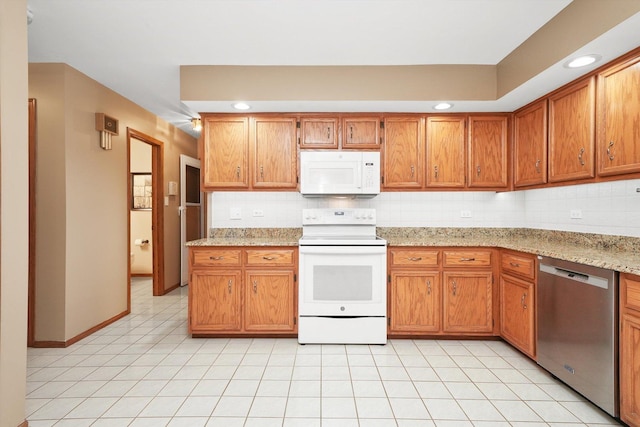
<point>517,313</point>
<point>235,291</point>
<point>426,297</point>
<point>630,349</point>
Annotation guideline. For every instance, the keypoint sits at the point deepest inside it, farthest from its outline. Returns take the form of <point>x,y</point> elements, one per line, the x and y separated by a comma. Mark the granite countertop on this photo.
<point>618,253</point>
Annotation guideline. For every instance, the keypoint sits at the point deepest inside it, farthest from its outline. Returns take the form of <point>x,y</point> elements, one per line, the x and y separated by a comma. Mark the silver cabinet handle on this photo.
<point>413,171</point>
<point>216,258</point>
<point>467,259</point>
<point>351,133</point>
<point>455,287</point>
<point>435,170</point>
<point>611,156</point>
<point>269,258</point>
<point>428,287</point>
<point>238,172</point>
<point>478,170</point>
<point>261,173</point>
<point>229,285</point>
<point>514,264</point>
<point>522,301</point>
<point>255,287</point>
<point>580,159</point>
<point>413,258</point>
<point>538,166</point>
<point>328,132</point>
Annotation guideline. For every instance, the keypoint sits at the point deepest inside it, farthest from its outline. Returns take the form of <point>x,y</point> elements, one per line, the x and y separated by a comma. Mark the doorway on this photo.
<point>146,198</point>
<point>191,218</point>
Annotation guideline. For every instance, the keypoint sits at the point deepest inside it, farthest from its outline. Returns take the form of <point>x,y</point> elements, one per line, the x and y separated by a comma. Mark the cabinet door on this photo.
<point>517,313</point>
<point>318,132</point>
<point>225,152</point>
<point>445,151</point>
<point>275,152</point>
<point>630,370</point>
<point>488,151</point>
<point>361,132</point>
<point>530,145</point>
<point>269,302</point>
<point>402,153</point>
<point>414,303</point>
<point>214,301</point>
<point>467,300</point>
<point>618,124</point>
<point>572,126</point>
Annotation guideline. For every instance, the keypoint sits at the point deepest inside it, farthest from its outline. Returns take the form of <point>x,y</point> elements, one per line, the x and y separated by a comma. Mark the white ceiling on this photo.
<point>136,47</point>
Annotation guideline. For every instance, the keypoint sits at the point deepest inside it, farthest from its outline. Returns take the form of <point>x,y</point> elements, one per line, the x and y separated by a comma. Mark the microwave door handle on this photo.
<point>358,181</point>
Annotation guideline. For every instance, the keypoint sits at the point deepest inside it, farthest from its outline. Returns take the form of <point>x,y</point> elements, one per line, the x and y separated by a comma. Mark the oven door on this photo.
<point>342,281</point>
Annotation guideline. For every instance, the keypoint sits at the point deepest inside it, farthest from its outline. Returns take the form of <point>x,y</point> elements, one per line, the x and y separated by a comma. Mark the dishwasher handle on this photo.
<point>575,276</point>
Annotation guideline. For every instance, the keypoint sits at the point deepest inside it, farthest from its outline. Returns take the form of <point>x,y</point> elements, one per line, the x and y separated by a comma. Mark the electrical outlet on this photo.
<point>465,214</point>
<point>575,214</point>
<point>258,212</point>
<point>235,213</point>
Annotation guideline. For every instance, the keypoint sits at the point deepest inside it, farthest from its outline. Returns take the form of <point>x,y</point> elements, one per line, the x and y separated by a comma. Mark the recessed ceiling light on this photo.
<point>582,61</point>
<point>241,106</point>
<point>442,106</point>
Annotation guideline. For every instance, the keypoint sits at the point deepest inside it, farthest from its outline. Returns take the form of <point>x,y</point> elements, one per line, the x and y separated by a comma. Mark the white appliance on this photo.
<point>342,294</point>
<point>348,173</point>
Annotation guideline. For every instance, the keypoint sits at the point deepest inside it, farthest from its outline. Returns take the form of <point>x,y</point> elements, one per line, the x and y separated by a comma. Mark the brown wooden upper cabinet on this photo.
<point>488,161</point>
<point>618,139</point>
<point>225,152</point>
<point>572,128</point>
<point>530,145</point>
<point>274,152</point>
<point>403,153</point>
<point>445,151</point>
<point>319,132</point>
<point>361,132</point>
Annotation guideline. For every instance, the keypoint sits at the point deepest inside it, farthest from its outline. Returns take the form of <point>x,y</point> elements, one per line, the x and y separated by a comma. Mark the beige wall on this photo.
<point>89,283</point>
<point>14,211</point>
<point>141,256</point>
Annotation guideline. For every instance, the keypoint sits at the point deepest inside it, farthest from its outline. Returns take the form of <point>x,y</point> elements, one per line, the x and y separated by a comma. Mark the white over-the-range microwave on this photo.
<point>340,173</point>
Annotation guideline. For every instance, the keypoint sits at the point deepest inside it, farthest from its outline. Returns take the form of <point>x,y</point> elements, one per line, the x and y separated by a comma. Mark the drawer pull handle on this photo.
<point>216,258</point>
<point>538,166</point>
<point>428,287</point>
<point>229,285</point>
<point>611,156</point>
<point>467,259</point>
<point>455,287</point>
<point>524,305</point>
<point>514,264</point>
<point>255,287</point>
<point>580,159</point>
<point>269,258</point>
<point>413,258</point>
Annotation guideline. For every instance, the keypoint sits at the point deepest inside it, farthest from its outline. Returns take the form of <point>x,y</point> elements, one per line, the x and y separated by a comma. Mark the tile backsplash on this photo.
<point>603,208</point>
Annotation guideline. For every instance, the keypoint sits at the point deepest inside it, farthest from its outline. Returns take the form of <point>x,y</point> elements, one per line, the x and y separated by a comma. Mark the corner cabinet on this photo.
<point>274,141</point>
<point>618,124</point>
<point>572,129</point>
<point>530,145</point>
<point>630,349</point>
<point>236,291</point>
<point>437,291</point>
<point>518,274</point>
<point>225,152</point>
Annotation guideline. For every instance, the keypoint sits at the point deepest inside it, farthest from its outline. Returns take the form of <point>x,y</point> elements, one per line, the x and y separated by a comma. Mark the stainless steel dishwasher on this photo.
<point>578,328</point>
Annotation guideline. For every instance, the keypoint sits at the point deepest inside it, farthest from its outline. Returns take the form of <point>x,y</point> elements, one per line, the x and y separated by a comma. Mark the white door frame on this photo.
<point>184,253</point>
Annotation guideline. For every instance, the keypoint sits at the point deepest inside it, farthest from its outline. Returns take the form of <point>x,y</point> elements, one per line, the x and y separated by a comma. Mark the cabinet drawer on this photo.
<point>467,258</point>
<point>404,258</point>
<point>270,257</point>
<point>213,257</point>
<point>630,291</point>
<point>520,265</point>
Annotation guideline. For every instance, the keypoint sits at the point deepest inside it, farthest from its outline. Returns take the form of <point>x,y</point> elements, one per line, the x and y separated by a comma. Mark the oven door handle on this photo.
<point>342,250</point>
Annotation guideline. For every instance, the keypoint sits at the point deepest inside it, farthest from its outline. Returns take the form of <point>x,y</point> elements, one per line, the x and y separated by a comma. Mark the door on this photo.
<point>445,151</point>
<point>190,211</point>
<point>517,314</point>
<point>403,156</point>
<point>215,301</point>
<point>415,302</point>
<point>269,301</point>
<point>488,142</point>
<point>467,302</point>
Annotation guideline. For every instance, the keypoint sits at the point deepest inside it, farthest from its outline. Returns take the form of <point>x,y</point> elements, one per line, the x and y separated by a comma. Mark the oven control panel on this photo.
<point>338,216</point>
